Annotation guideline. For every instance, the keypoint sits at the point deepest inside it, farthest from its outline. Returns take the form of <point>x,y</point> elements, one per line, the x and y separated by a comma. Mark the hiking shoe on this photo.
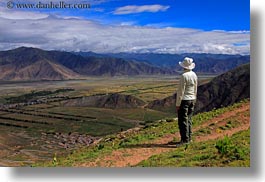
<point>182,143</point>
<point>172,143</point>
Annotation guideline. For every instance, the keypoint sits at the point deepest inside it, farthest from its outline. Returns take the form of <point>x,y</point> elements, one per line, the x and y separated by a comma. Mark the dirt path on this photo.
<point>133,155</point>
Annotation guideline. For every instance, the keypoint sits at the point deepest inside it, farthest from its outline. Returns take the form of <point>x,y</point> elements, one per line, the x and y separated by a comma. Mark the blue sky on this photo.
<point>159,26</point>
<point>199,14</point>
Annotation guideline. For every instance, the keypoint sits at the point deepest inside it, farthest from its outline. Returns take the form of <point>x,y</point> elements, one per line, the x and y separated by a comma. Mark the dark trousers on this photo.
<point>185,113</point>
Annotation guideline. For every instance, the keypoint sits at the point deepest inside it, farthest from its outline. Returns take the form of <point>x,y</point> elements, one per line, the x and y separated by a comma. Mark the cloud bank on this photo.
<point>69,34</point>
<point>140,9</point>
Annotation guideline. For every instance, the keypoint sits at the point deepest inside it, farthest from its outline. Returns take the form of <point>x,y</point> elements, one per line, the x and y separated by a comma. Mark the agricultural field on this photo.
<point>36,125</point>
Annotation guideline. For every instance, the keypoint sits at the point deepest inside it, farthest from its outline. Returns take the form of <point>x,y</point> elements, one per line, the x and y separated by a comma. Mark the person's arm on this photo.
<point>196,87</point>
<point>180,92</point>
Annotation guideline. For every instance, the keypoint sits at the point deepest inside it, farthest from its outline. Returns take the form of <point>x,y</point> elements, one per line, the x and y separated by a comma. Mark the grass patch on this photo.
<point>230,151</point>
<point>205,131</point>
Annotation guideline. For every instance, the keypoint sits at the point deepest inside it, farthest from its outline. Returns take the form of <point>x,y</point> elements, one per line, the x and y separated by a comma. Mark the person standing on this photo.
<point>186,99</point>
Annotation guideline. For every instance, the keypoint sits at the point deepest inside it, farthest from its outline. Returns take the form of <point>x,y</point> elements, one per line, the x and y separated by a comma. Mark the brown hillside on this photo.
<point>18,64</point>
<point>40,70</point>
<point>106,101</point>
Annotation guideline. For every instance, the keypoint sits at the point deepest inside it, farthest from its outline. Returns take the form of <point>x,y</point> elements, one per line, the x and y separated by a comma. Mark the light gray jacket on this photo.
<point>187,89</point>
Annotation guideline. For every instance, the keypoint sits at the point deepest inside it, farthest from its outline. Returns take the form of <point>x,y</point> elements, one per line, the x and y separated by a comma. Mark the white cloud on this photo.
<point>17,15</point>
<point>128,23</point>
<point>53,32</point>
<point>139,9</point>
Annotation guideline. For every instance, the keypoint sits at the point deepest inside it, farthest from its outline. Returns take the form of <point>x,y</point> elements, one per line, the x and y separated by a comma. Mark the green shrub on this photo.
<point>227,149</point>
<point>223,146</point>
<point>100,146</point>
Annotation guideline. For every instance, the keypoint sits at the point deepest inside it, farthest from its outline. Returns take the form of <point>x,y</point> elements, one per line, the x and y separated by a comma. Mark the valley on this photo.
<point>43,119</point>
<point>55,103</point>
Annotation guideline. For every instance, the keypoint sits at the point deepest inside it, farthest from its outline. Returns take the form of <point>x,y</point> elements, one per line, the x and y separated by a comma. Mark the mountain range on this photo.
<point>35,64</point>
<point>205,63</point>
<point>26,63</point>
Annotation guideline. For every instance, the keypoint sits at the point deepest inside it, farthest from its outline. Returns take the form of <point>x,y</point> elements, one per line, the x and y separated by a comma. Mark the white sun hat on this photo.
<point>187,63</point>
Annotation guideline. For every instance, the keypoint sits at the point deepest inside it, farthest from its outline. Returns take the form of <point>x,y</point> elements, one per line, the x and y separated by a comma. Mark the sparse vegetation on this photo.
<point>230,151</point>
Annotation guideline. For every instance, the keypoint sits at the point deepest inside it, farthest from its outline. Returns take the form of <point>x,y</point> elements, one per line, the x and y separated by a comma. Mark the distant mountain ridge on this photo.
<point>205,63</point>
<point>35,64</point>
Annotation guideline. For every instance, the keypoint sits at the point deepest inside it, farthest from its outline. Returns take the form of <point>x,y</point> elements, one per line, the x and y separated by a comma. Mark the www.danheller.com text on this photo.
<point>47,4</point>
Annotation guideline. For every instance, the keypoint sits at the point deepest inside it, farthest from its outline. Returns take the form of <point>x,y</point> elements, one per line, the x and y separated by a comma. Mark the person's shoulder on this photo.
<point>184,74</point>
<point>192,72</point>
<point>195,75</point>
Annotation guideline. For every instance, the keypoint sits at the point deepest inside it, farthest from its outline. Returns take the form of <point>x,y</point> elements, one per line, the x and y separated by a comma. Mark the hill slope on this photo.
<point>40,70</point>
<point>136,146</point>
<point>106,101</point>
<point>225,89</point>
